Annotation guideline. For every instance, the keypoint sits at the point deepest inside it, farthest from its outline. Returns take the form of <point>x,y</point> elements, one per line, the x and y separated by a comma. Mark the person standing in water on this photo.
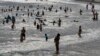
<point>80,31</point>
<point>23,34</point>
<point>46,37</point>
<point>56,41</point>
<point>87,7</point>
<point>59,22</point>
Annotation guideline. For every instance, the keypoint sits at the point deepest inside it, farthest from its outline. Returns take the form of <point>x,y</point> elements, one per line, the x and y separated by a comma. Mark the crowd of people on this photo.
<point>39,22</point>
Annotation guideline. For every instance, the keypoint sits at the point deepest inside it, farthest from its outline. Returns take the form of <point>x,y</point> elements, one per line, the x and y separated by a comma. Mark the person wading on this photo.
<point>23,35</point>
<point>80,31</point>
<point>56,41</point>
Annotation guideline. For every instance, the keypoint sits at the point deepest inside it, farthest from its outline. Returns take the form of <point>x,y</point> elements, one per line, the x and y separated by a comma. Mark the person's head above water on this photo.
<point>23,27</point>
